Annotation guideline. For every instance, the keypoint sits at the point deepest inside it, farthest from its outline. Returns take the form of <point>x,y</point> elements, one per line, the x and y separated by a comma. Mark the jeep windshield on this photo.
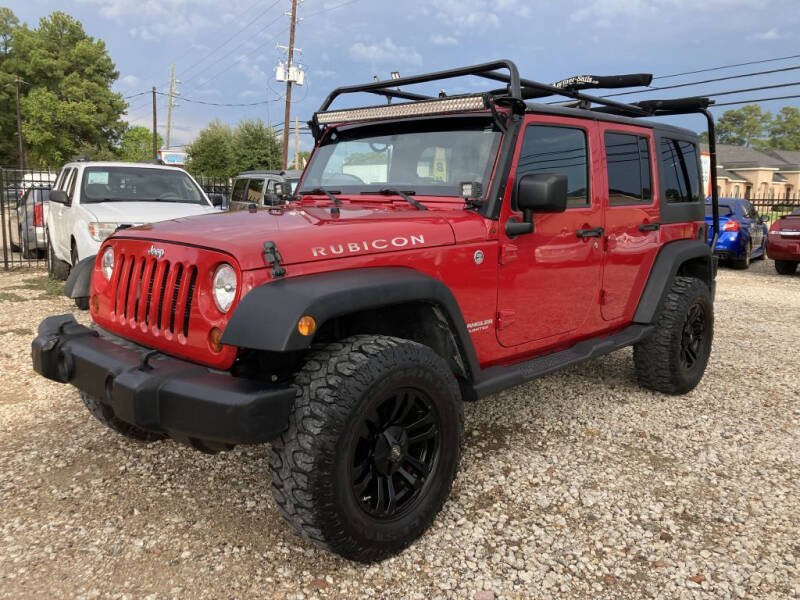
<point>429,157</point>
<point>139,184</point>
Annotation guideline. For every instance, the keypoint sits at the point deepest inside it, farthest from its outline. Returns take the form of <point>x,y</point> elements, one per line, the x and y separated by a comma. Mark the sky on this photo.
<point>225,52</point>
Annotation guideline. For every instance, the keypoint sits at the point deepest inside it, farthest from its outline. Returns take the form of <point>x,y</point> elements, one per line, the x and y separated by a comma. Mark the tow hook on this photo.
<point>273,258</point>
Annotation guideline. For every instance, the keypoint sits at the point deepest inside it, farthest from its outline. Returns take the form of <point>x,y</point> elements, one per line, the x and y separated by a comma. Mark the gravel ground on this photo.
<point>578,485</point>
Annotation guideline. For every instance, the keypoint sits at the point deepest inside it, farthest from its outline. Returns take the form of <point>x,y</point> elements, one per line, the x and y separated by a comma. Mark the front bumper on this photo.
<point>159,393</point>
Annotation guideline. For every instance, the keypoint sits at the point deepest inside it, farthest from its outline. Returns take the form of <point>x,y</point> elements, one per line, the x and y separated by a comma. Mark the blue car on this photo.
<point>742,232</point>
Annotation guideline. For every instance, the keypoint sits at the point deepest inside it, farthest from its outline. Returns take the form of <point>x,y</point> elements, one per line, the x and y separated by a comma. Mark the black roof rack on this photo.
<point>518,89</point>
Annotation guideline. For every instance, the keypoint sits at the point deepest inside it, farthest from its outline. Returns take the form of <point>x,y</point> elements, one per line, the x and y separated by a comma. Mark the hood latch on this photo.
<point>273,258</point>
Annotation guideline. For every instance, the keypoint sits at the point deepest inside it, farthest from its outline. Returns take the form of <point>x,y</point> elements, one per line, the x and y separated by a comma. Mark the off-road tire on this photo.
<point>56,268</point>
<point>105,415</point>
<point>658,358</point>
<point>311,463</point>
<point>743,263</point>
<point>786,267</point>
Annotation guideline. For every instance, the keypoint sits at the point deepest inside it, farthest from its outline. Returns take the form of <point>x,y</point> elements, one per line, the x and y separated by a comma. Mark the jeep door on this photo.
<point>631,217</point>
<point>550,279</point>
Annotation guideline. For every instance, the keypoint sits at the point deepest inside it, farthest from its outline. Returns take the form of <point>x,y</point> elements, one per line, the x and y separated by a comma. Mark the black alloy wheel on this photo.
<point>692,340</point>
<point>397,447</point>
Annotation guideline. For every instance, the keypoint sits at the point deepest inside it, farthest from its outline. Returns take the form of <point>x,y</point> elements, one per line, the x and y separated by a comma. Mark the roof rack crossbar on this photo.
<point>400,94</point>
<point>380,87</point>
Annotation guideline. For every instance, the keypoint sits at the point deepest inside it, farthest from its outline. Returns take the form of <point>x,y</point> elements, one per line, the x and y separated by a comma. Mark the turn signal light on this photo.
<point>731,226</point>
<point>306,325</point>
<point>215,339</point>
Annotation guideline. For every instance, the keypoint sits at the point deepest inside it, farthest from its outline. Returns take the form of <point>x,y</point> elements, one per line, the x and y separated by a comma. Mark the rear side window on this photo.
<point>254,191</point>
<point>679,176</point>
<point>558,150</point>
<point>628,162</point>
<point>239,187</point>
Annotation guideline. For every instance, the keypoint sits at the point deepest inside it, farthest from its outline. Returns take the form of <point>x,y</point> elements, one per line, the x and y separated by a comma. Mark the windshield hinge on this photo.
<point>273,258</point>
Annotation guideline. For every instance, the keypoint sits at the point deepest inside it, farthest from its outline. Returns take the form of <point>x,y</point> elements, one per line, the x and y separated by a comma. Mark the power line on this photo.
<point>744,64</point>
<point>135,95</point>
<point>234,49</point>
<point>677,85</point>
<point>756,100</point>
<point>251,22</point>
<point>755,89</point>
<point>228,104</point>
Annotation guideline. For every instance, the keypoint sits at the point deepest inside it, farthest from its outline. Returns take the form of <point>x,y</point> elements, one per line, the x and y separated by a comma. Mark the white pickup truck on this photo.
<point>91,200</point>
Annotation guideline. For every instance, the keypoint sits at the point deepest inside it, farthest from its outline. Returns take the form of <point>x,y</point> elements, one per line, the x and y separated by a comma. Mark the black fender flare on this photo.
<point>266,318</point>
<point>668,261</point>
<point>80,279</point>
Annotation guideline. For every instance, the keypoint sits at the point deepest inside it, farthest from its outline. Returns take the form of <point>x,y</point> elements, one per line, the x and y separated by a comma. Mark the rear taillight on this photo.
<point>38,215</point>
<point>731,226</point>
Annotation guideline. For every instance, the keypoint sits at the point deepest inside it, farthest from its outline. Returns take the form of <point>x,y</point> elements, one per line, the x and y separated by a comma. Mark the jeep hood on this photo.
<point>143,212</point>
<point>304,233</point>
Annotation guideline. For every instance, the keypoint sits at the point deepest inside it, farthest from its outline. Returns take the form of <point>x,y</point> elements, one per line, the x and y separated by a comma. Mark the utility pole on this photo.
<point>296,142</point>
<point>171,102</point>
<point>19,126</point>
<point>286,114</point>
<point>155,131</point>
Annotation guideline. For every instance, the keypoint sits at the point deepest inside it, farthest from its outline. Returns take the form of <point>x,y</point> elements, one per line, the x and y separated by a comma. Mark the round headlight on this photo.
<point>224,286</point>
<point>107,262</point>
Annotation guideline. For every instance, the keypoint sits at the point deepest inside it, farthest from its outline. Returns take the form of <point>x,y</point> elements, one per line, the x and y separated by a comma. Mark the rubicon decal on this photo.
<point>366,246</point>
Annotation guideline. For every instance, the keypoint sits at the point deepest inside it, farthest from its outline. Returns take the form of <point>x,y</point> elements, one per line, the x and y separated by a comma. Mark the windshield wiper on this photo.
<point>320,191</point>
<point>404,195</point>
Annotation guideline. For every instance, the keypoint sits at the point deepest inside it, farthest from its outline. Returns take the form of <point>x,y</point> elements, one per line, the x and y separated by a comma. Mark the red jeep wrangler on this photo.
<point>437,250</point>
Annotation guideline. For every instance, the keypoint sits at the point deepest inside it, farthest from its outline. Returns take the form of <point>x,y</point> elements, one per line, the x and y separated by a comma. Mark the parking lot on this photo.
<point>577,485</point>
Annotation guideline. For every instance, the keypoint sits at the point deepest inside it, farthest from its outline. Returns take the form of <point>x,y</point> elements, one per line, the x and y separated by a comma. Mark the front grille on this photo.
<point>154,292</point>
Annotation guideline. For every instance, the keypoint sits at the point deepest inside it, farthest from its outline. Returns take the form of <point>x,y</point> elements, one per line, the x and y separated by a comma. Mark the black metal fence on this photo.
<point>24,207</point>
<point>775,208</point>
<point>23,212</point>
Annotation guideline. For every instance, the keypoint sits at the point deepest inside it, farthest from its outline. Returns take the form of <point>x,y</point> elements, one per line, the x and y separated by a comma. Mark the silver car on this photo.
<point>26,222</point>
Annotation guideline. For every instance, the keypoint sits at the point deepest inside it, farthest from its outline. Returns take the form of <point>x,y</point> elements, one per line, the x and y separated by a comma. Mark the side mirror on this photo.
<point>538,193</point>
<point>59,196</point>
<point>283,190</point>
<point>764,218</point>
<point>217,200</point>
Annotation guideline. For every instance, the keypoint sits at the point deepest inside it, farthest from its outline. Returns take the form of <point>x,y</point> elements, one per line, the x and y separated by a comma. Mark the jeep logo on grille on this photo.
<point>157,252</point>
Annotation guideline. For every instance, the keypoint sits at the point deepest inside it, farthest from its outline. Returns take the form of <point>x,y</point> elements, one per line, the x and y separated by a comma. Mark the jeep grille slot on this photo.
<point>163,289</point>
<point>174,304</point>
<point>190,296</point>
<point>119,281</point>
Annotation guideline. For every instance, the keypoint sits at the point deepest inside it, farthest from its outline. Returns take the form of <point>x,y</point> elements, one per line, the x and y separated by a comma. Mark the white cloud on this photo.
<point>324,73</point>
<point>130,81</point>
<point>251,70</point>
<point>606,12</point>
<point>385,52</point>
<point>764,36</point>
<point>443,40</point>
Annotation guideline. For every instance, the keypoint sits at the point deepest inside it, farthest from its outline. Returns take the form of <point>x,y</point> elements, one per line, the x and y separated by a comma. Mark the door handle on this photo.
<point>586,233</point>
<point>649,226</point>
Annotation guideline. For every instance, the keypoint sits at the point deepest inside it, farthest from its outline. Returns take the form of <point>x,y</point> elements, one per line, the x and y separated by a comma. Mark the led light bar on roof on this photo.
<point>405,109</point>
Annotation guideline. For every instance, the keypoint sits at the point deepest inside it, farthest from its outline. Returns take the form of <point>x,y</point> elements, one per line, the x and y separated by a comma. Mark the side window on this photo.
<point>239,187</point>
<point>548,149</point>
<point>679,171</point>
<point>255,191</point>
<point>69,186</point>
<point>628,163</point>
<point>60,179</point>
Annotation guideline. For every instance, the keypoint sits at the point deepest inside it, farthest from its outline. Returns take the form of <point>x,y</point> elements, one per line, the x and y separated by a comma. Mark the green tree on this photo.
<point>8,120</point>
<point>255,146</point>
<point>784,131</point>
<point>68,106</point>
<point>743,127</point>
<point>210,153</point>
<point>137,144</point>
